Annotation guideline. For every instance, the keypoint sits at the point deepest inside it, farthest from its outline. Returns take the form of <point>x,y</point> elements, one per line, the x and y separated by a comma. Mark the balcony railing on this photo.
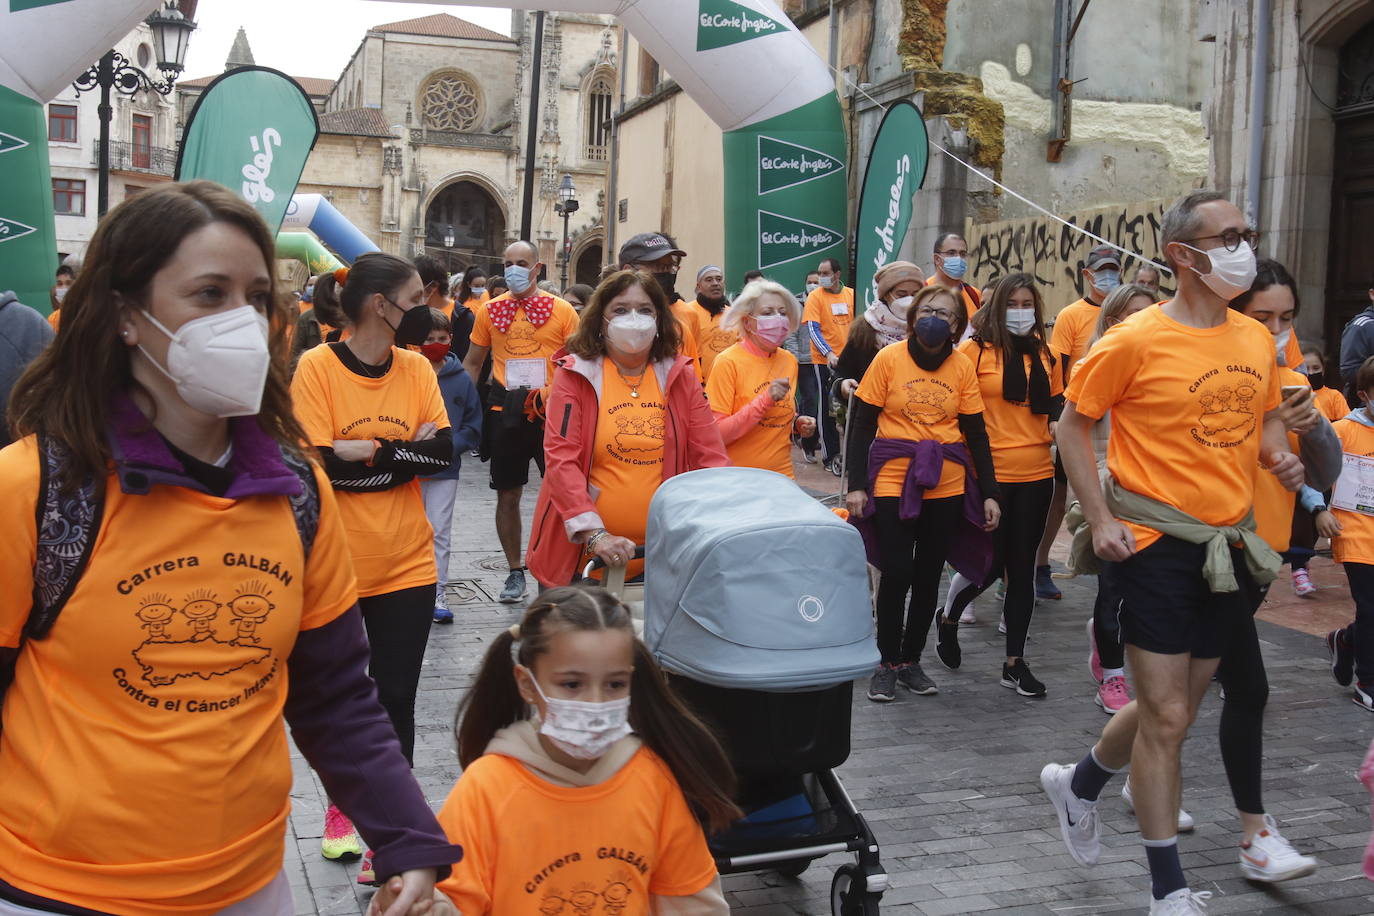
<point>127,157</point>
<point>597,153</point>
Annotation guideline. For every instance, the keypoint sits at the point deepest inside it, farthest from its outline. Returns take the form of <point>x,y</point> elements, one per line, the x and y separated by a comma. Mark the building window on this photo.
<point>62,123</point>
<point>69,196</point>
<point>145,55</point>
<point>599,118</point>
<point>649,74</point>
<point>142,146</point>
<point>450,101</point>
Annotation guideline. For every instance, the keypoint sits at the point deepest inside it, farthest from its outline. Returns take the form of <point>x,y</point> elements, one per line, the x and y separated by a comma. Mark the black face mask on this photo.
<point>1318,379</point>
<point>416,323</point>
<point>667,281</point>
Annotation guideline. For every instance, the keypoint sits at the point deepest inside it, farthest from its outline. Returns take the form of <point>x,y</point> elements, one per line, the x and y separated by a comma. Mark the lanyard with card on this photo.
<point>839,308</point>
<point>1354,489</point>
<point>526,373</point>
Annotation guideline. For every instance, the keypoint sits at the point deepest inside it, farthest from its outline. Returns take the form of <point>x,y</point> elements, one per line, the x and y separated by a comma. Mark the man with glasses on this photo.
<point>1190,386</point>
<point>1073,329</point>
<point>951,266</point>
<point>827,315</point>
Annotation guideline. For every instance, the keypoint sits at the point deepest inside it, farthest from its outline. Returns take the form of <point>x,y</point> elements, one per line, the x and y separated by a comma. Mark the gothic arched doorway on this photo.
<point>588,267</point>
<point>477,221</point>
<point>1350,266</point>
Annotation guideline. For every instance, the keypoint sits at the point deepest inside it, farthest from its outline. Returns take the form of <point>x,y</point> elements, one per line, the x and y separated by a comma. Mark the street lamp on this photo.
<point>449,240</point>
<point>171,32</point>
<point>567,205</point>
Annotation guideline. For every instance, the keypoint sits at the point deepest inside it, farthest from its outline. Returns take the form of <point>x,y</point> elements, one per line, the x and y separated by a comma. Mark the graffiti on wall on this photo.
<point>1056,254</point>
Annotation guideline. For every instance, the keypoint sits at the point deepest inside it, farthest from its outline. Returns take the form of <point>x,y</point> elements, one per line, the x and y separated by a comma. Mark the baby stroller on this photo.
<point>758,608</point>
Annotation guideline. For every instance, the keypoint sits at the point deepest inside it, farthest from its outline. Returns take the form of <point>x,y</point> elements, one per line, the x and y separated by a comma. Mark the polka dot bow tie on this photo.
<point>538,309</point>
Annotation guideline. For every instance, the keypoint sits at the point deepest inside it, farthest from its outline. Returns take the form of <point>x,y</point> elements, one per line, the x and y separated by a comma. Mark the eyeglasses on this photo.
<point>927,312</point>
<point>1232,239</point>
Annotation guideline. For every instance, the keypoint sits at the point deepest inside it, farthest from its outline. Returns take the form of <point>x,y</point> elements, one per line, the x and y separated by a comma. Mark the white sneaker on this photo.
<point>1182,902</point>
<point>1271,858</point>
<point>1185,820</point>
<point>967,619</point>
<point>1077,818</point>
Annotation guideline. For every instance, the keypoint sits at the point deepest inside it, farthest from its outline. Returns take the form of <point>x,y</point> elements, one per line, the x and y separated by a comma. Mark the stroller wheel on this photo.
<point>793,868</point>
<point>849,893</point>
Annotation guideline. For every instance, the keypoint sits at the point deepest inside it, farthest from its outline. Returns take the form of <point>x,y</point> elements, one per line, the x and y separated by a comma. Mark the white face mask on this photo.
<point>60,293</point>
<point>219,362</point>
<point>812,287</point>
<point>632,333</point>
<point>1281,344</point>
<point>477,290</point>
<point>580,729</point>
<point>902,307</point>
<point>1021,321</point>
<point>1232,273</point>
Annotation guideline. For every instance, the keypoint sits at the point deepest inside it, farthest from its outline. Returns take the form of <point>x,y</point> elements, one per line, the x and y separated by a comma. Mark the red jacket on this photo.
<point>565,509</point>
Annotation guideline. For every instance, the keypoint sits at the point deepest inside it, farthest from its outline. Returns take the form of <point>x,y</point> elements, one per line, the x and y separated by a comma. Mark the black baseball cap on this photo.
<point>646,247</point>
<point>1103,255</point>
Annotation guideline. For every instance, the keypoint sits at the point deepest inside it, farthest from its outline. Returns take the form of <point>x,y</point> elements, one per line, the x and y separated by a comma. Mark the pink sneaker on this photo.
<point>1094,662</point>
<point>1113,695</point>
<point>1302,583</point>
<point>340,842</point>
<point>367,875</point>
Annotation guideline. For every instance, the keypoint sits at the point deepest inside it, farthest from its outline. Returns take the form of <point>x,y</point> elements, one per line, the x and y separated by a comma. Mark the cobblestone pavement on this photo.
<point>950,783</point>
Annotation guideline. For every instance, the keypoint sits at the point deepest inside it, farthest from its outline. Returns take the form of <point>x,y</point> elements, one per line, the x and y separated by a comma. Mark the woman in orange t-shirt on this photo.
<point>374,411</point>
<point>1023,395</point>
<point>214,600</point>
<point>916,480</point>
<point>625,413</point>
<point>1329,400</point>
<point>753,383</point>
<point>560,815</point>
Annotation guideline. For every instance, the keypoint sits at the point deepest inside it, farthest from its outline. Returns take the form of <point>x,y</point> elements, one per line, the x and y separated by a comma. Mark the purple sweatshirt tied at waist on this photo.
<point>970,550</point>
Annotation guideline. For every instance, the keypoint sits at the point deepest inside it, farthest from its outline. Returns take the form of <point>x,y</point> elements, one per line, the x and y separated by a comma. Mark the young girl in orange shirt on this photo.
<point>1352,646</point>
<point>581,772</point>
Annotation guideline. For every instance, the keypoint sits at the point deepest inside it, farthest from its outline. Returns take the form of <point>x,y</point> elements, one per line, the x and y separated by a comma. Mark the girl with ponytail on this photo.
<point>585,778</point>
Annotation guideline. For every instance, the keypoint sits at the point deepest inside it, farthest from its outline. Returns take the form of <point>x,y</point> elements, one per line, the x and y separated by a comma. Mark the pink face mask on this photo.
<point>772,329</point>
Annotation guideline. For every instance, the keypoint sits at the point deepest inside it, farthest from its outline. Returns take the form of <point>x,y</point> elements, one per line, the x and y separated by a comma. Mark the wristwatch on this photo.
<point>1318,510</point>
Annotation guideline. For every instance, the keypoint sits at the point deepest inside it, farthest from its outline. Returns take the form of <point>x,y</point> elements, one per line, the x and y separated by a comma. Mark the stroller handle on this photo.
<point>614,581</point>
<point>598,563</point>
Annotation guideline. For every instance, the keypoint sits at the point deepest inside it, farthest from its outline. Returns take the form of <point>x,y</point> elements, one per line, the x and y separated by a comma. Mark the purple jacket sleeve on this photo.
<point>345,735</point>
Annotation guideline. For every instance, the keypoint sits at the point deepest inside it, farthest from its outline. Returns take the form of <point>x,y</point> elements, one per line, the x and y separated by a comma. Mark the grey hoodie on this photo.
<point>23,335</point>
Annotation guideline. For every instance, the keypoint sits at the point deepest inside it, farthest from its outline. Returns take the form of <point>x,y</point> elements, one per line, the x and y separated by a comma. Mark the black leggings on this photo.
<point>1025,506</point>
<point>912,557</point>
<point>398,626</point>
<point>1241,732</point>
<point>1111,651</point>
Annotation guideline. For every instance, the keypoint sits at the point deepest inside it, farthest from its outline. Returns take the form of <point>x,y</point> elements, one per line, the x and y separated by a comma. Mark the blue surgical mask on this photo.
<point>517,278</point>
<point>932,331</point>
<point>1104,281</point>
<point>954,267</point>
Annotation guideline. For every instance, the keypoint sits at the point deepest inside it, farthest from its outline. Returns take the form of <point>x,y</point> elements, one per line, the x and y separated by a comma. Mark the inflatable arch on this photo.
<point>758,78</point>
<point>313,212</point>
<point>304,247</point>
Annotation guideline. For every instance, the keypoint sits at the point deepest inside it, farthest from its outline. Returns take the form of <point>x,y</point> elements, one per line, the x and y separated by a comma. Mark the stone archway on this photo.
<point>587,267</point>
<point>474,213</point>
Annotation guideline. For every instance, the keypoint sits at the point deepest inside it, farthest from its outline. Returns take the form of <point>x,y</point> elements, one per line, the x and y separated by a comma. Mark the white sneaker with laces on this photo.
<point>1182,902</point>
<point>1271,858</point>
<point>1077,818</point>
<point>1185,820</point>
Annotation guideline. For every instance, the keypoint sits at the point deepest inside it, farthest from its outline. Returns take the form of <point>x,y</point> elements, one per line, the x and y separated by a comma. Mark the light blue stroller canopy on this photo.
<point>753,584</point>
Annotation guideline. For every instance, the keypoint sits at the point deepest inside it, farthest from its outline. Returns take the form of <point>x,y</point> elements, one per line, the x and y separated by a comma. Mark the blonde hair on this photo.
<point>748,301</point>
<point>1114,307</point>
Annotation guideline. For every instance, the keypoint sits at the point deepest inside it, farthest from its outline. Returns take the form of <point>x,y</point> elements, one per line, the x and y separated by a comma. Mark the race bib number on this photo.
<point>1354,490</point>
<point>526,373</point>
<point>839,308</point>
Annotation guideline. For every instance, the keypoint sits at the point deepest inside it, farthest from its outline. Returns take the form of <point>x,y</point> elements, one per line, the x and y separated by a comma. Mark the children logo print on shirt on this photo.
<point>538,309</point>
<point>1227,412</point>
<point>201,636</point>
<point>926,401</point>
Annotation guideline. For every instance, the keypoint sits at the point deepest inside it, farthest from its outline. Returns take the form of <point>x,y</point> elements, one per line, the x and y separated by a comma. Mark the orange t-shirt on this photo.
<point>1355,543</point>
<point>1274,504</point>
<point>530,846</point>
<point>740,373</point>
<point>834,312</point>
<point>918,405</point>
<point>712,340</point>
<point>1020,439</point>
<point>390,539</point>
<point>1187,408</point>
<point>1073,330</point>
<point>627,460</point>
<point>1292,353</point>
<point>474,301</point>
<point>970,306</point>
<point>523,340</point>
<point>1331,403</point>
<point>145,765</point>
<point>689,331</point>
<point>55,318</point>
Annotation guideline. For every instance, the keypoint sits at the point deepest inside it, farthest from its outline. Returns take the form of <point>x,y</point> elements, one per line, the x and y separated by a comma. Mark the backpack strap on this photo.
<point>973,294</point>
<point>68,522</point>
<point>305,505</point>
